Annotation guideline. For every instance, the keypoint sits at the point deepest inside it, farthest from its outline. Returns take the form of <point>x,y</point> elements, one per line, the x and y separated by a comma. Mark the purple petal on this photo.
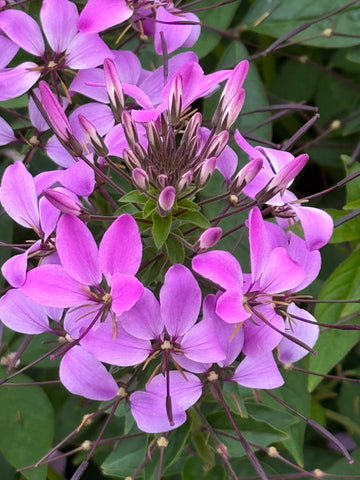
<point>220,267</point>
<point>120,249</point>
<point>184,391</point>
<point>6,133</point>
<point>22,314</point>
<point>150,414</point>
<point>281,273</point>
<point>144,319</point>
<point>200,343</point>
<point>125,291</point>
<point>310,261</point>
<point>49,216</point>
<point>77,250</point>
<point>230,343</point>
<point>18,196</point>
<point>99,15</point>
<point>14,269</point>
<point>259,337</point>
<point>18,80</point>
<point>175,34</point>
<point>59,19</point>
<point>258,372</point>
<point>8,50</point>
<point>23,30</point>
<point>87,51</point>
<point>50,285</point>
<point>90,83</point>
<point>58,153</point>
<point>230,306</point>
<point>260,246</point>
<point>180,300</point>
<point>36,117</point>
<point>80,318</point>
<point>290,352</point>
<point>128,66</point>
<point>98,114</point>
<point>113,345</point>
<point>318,226</point>
<point>83,375</point>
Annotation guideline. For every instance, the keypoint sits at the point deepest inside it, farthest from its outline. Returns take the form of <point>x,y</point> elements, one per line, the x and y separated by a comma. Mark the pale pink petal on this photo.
<point>180,300</point>
<point>59,19</point>
<point>230,306</point>
<point>258,372</point>
<point>50,285</point>
<point>144,319</point>
<point>150,413</point>
<point>87,51</point>
<point>22,314</point>
<point>230,342</point>
<point>200,343</point>
<point>8,50</point>
<point>91,83</point>
<point>77,250</point>
<point>23,30</point>
<point>99,15</point>
<point>125,291</point>
<point>185,388</point>
<point>110,343</point>
<point>18,196</point>
<point>120,249</point>
<point>220,267</point>
<point>18,80</point>
<point>310,261</point>
<point>83,375</point>
<point>318,226</point>
<point>290,352</point>
<point>6,133</point>
<point>259,336</point>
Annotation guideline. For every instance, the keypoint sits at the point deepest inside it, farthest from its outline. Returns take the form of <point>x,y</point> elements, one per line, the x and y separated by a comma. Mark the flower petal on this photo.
<point>18,80</point>
<point>87,51</point>
<point>125,291</point>
<point>83,375</point>
<point>230,306</point>
<point>220,267</point>
<point>8,50</point>
<point>200,343</point>
<point>120,249</point>
<point>281,273</point>
<point>180,300</point>
<point>99,15</point>
<point>258,372</point>
<point>23,30</point>
<point>59,19</point>
<point>77,250</point>
<point>6,133</point>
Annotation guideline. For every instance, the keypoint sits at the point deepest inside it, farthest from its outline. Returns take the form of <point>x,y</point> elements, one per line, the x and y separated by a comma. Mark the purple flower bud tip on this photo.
<point>141,179</point>
<point>209,238</point>
<point>63,202</point>
<point>166,200</point>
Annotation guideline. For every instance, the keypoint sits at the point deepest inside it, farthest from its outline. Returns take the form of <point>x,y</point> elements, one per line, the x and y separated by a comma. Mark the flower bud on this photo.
<point>130,159</point>
<point>162,180</point>
<point>175,100</point>
<point>129,127</point>
<point>55,113</point>
<point>217,144</point>
<point>206,170</point>
<point>185,181</point>
<point>245,176</point>
<point>64,201</point>
<point>208,239</point>
<point>114,88</point>
<point>141,179</point>
<point>166,200</point>
<point>92,136</point>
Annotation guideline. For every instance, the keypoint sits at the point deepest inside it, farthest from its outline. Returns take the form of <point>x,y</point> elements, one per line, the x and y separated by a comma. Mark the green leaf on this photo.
<point>126,457</point>
<point>149,208</point>
<point>280,17</point>
<point>219,17</point>
<point>193,469</point>
<point>343,284</point>
<point>353,187</point>
<point>134,197</point>
<point>346,232</point>
<point>161,228</point>
<point>175,250</point>
<point>26,426</point>
<point>195,218</point>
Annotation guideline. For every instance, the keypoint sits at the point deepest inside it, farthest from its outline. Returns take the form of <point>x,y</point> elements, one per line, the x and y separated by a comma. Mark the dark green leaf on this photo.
<point>126,457</point>
<point>346,232</point>
<point>175,250</point>
<point>134,197</point>
<point>161,228</point>
<point>195,218</point>
<point>26,426</point>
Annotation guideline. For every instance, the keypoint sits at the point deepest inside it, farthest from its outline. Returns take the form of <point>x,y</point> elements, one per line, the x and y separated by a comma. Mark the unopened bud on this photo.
<point>175,100</point>
<point>114,88</point>
<point>192,128</point>
<point>153,135</point>
<point>185,181</point>
<point>130,159</point>
<point>55,113</point>
<point>245,176</point>
<point>206,170</point>
<point>208,239</point>
<point>229,112</point>
<point>162,180</point>
<point>166,200</point>
<point>218,144</point>
<point>141,179</point>
<point>64,201</point>
<point>93,136</point>
<point>129,127</point>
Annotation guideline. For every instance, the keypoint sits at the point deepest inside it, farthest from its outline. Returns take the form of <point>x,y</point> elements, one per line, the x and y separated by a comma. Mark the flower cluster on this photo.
<point>137,135</point>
